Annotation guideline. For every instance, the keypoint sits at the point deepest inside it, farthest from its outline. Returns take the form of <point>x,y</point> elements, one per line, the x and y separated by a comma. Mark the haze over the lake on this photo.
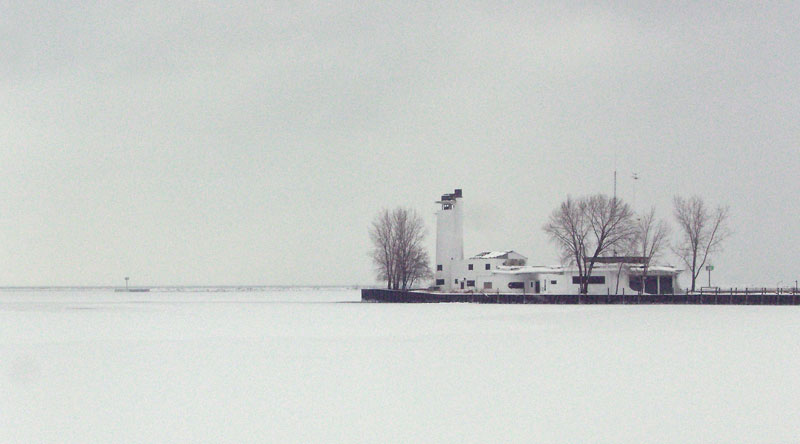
<point>225,143</point>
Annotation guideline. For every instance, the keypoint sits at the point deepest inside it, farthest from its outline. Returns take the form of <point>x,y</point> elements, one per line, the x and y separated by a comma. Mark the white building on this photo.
<point>508,272</point>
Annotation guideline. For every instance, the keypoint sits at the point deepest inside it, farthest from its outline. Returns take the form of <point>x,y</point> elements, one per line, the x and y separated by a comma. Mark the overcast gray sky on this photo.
<point>225,142</point>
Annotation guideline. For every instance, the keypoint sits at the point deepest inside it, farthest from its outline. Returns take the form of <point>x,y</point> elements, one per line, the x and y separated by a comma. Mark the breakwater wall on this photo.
<point>732,298</point>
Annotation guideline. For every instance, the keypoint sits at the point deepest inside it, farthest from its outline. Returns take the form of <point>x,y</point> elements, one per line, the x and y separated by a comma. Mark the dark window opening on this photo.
<point>439,281</point>
<point>488,266</point>
<point>553,282</point>
<point>487,285</point>
<point>469,266</point>
<point>635,283</point>
<point>651,285</point>
<point>439,267</point>
<point>666,285</point>
<point>516,285</point>
<point>470,283</point>
<point>455,281</point>
<point>590,279</point>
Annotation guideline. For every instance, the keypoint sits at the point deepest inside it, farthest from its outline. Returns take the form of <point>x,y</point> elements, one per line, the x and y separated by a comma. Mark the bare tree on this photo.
<point>627,248</point>
<point>416,268</point>
<point>650,240</point>
<point>701,232</point>
<point>586,228</point>
<point>381,234</point>
<point>398,253</point>
<point>567,227</point>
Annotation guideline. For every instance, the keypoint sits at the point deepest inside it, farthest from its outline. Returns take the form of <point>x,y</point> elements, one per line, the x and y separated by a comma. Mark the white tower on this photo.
<point>449,240</point>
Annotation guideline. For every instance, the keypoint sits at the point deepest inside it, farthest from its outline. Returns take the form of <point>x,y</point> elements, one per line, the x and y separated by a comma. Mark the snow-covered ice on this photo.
<point>300,367</point>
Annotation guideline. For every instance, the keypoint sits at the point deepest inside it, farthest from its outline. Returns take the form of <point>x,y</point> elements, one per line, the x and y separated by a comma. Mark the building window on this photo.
<point>590,279</point>
<point>439,281</point>
<point>553,282</point>
<point>470,283</point>
<point>531,284</point>
<point>469,266</point>
<point>516,285</point>
<point>455,281</point>
<point>487,285</point>
<point>439,267</point>
<point>488,266</point>
<point>635,282</point>
<point>665,285</point>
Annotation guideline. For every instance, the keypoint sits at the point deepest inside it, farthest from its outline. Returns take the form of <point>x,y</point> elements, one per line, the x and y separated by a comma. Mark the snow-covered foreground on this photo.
<point>244,367</point>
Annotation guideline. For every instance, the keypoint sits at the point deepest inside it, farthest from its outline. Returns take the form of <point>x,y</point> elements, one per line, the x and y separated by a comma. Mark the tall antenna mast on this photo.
<point>615,184</point>
<point>615,174</point>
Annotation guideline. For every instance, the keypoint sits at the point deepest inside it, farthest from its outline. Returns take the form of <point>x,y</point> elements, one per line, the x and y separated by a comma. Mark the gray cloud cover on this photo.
<point>214,143</point>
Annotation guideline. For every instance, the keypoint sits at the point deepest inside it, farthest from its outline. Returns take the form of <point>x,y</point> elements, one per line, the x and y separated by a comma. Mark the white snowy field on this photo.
<point>300,367</point>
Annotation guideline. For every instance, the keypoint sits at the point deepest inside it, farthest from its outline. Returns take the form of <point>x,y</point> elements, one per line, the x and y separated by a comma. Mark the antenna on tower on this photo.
<point>615,174</point>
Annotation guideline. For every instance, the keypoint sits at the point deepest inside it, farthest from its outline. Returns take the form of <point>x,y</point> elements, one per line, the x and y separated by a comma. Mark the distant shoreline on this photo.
<point>187,288</point>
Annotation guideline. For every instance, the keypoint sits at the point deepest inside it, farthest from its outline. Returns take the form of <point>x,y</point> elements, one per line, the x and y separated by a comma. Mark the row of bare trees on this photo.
<point>398,252</point>
<point>588,228</point>
<point>585,229</point>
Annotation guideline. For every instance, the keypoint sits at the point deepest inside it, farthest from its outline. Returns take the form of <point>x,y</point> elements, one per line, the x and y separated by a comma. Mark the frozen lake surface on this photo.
<point>299,366</point>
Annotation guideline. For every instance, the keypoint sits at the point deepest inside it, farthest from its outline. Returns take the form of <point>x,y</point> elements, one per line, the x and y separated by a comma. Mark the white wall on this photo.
<point>563,282</point>
<point>449,243</point>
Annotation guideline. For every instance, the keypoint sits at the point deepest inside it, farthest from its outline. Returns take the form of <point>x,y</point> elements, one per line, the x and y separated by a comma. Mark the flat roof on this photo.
<point>558,269</point>
<point>495,254</point>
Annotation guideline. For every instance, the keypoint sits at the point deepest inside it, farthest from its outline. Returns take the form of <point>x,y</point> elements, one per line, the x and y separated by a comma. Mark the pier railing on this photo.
<point>721,297</point>
<point>748,290</point>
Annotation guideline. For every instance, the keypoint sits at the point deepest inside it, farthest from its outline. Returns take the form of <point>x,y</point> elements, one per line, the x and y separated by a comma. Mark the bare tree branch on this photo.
<point>586,228</point>
<point>650,240</point>
<point>398,251</point>
<point>701,233</point>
